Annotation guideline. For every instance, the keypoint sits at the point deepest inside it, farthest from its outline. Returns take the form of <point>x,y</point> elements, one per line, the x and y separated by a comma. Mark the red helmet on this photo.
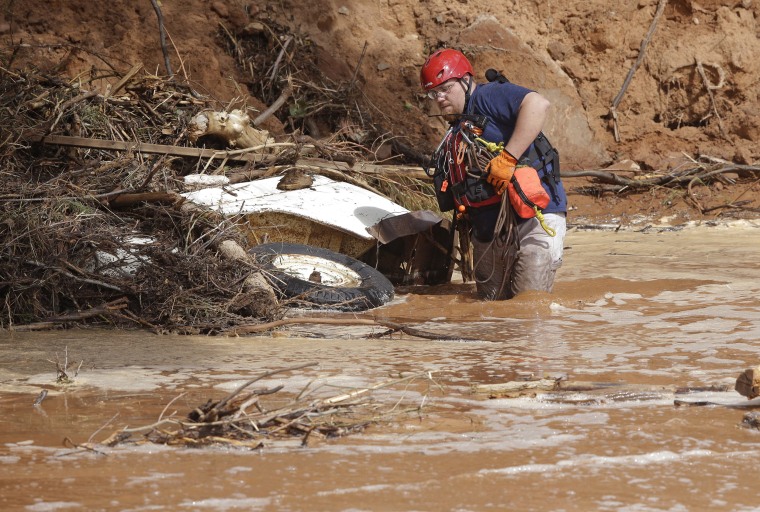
<point>444,65</point>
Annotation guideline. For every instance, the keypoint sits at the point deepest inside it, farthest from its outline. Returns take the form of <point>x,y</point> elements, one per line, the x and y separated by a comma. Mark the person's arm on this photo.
<point>530,122</point>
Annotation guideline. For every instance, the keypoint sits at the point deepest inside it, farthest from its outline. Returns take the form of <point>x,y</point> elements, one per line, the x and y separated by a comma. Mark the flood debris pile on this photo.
<point>250,418</point>
<point>99,234</point>
<point>330,118</point>
<point>93,223</point>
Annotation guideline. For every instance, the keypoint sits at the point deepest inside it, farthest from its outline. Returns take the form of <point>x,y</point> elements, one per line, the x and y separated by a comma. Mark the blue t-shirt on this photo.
<point>500,103</point>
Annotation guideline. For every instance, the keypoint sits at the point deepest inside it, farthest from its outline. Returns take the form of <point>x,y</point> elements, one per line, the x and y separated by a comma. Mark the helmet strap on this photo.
<point>467,91</point>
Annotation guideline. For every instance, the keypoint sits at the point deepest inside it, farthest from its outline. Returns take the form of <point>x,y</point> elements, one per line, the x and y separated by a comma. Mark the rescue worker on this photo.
<point>515,116</point>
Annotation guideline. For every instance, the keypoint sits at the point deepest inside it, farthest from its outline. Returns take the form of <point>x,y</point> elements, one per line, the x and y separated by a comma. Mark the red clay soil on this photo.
<point>691,99</point>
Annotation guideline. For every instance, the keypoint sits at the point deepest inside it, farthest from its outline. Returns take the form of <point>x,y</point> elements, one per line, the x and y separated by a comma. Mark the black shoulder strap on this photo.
<point>545,152</point>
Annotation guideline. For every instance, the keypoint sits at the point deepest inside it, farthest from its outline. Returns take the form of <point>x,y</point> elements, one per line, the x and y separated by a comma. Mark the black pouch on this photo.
<point>443,192</point>
<point>439,171</point>
<point>475,192</point>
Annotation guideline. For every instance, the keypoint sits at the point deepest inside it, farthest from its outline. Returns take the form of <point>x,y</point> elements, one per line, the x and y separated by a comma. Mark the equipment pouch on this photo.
<point>526,194</point>
<point>443,192</point>
<point>439,169</point>
<point>474,192</point>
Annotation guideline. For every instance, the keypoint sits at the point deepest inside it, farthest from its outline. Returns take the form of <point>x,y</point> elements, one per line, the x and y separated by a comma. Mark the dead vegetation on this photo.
<point>90,204</point>
<point>95,234</point>
<point>250,418</point>
<point>63,370</point>
<point>686,180</point>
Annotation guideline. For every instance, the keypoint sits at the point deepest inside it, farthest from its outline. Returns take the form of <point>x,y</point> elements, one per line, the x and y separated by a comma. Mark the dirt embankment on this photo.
<point>691,101</point>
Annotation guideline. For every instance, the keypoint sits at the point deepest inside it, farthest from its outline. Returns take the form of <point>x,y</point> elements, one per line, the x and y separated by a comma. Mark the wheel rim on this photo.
<point>316,269</point>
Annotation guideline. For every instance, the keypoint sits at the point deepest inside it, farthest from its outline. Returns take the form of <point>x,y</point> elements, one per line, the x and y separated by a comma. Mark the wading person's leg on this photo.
<point>492,266</point>
<point>540,255</point>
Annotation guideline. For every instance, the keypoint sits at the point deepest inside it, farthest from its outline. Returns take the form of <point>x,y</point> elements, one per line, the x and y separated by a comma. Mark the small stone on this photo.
<point>557,50</point>
<point>624,165</point>
<point>253,28</point>
<point>221,9</point>
<point>344,11</point>
<point>743,156</point>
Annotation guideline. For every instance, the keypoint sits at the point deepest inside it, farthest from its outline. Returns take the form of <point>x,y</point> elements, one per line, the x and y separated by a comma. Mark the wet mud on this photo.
<point>644,313</point>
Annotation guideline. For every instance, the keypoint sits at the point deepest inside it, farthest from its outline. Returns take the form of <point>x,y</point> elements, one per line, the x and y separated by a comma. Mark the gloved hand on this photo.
<point>500,170</point>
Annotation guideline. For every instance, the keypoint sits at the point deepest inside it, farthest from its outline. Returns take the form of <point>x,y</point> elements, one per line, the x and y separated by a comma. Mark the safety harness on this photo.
<point>459,165</point>
<point>459,171</point>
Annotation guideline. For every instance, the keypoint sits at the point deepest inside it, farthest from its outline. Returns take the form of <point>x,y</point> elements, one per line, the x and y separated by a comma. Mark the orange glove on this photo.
<point>500,170</point>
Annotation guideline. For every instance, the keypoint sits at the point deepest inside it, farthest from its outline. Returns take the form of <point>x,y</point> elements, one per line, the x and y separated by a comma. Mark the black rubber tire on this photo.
<point>347,283</point>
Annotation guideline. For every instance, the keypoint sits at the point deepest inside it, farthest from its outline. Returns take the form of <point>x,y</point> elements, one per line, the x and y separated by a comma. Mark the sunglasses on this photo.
<point>443,91</point>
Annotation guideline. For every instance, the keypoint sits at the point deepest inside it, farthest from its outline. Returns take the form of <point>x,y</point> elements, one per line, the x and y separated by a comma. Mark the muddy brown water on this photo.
<point>654,310</point>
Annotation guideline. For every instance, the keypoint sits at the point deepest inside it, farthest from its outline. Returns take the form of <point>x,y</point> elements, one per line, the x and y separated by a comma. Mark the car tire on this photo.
<point>322,278</point>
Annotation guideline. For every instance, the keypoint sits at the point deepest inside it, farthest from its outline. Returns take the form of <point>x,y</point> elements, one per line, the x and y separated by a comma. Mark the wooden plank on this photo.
<point>121,83</point>
<point>143,147</point>
<point>234,155</point>
<point>366,167</point>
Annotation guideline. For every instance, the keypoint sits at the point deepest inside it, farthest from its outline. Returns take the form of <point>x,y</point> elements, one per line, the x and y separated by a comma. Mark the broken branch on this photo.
<point>639,59</point>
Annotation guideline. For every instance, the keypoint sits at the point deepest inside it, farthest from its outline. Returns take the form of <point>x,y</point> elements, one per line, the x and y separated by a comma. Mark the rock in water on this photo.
<point>748,383</point>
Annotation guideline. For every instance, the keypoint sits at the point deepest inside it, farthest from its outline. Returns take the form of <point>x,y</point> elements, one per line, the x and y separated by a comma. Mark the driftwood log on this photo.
<point>517,388</point>
<point>241,155</point>
<point>562,390</point>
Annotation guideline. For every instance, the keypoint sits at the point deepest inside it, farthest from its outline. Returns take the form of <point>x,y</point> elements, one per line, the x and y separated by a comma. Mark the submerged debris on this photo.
<point>578,392</point>
<point>63,368</point>
<point>751,420</point>
<point>243,419</point>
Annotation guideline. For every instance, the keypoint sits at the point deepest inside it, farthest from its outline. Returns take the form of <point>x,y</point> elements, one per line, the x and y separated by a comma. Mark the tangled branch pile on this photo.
<point>242,418</point>
<point>687,178</point>
<point>99,233</point>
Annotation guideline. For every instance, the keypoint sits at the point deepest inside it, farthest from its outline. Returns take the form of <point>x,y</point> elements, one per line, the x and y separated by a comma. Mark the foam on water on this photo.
<point>602,463</point>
